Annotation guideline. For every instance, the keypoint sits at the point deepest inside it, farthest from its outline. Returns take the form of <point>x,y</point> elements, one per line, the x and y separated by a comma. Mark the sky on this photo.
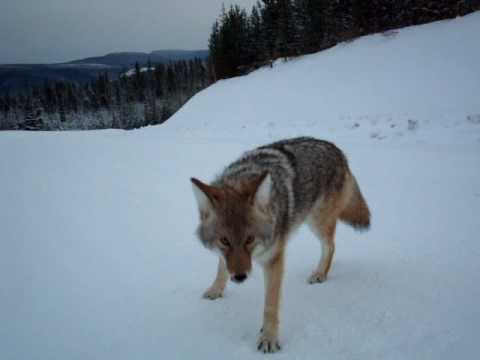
<point>49,31</point>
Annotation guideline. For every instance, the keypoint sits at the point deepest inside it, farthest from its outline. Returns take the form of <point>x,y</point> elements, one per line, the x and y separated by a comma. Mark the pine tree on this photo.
<point>216,58</point>
<point>311,24</point>
<point>287,29</point>
<point>256,42</point>
<point>33,115</point>
<point>269,12</point>
<point>159,74</point>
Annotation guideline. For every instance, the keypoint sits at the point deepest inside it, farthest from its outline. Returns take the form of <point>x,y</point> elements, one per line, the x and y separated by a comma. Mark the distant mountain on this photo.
<point>128,59</point>
<point>18,77</point>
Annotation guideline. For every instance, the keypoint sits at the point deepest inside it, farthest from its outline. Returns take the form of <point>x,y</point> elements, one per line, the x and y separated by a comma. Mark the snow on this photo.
<point>133,71</point>
<point>98,259</point>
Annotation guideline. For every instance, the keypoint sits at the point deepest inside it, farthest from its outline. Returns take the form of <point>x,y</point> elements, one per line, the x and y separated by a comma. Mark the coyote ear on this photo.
<point>262,189</point>
<point>207,196</point>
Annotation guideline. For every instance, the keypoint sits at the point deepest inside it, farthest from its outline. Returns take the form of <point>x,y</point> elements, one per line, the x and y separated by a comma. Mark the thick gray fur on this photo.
<point>302,170</point>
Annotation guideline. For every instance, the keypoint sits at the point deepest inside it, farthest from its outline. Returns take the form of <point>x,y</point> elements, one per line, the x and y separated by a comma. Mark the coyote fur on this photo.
<point>250,210</point>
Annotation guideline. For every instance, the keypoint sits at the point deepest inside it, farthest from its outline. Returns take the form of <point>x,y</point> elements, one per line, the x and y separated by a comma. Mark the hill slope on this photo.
<point>97,254</point>
<point>427,74</point>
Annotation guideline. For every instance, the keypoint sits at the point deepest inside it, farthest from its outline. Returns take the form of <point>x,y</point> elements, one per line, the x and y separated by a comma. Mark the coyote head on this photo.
<point>234,220</point>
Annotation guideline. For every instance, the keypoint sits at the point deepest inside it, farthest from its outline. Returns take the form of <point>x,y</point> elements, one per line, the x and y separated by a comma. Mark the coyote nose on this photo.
<point>239,277</point>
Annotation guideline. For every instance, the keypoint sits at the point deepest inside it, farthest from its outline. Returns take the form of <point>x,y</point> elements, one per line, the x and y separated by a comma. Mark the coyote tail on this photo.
<point>355,212</point>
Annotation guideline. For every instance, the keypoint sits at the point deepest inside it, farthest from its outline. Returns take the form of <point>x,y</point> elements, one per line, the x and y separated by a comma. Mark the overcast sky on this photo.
<point>45,31</point>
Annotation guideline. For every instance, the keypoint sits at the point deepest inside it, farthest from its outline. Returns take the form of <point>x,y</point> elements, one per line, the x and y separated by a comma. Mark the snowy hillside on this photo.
<point>428,74</point>
<point>98,258</point>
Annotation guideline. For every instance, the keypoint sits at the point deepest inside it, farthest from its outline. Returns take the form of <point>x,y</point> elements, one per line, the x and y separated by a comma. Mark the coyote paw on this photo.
<point>267,344</point>
<point>213,293</point>
<point>317,278</point>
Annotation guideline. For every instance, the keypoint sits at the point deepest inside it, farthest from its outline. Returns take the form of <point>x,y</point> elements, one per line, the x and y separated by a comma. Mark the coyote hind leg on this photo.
<point>323,223</point>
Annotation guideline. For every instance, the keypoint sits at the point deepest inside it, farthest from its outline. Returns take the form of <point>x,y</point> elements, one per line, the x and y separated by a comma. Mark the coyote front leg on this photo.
<point>216,290</point>
<point>273,271</point>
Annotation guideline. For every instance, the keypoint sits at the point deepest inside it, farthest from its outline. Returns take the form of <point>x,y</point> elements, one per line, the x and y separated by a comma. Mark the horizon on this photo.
<point>100,55</point>
<point>61,31</point>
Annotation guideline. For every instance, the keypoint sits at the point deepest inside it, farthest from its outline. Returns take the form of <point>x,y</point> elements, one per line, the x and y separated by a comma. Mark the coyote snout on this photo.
<point>238,278</point>
<point>239,264</point>
<point>252,208</point>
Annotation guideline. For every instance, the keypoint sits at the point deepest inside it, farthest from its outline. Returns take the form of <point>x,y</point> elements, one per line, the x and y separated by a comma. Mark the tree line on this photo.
<point>242,41</point>
<point>142,96</point>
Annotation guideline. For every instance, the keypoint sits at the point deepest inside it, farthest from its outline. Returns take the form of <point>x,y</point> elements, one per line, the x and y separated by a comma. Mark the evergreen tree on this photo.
<point>33,115</point>
<point>256,38</point>
<point>287,29</point>
<point>269,12</point>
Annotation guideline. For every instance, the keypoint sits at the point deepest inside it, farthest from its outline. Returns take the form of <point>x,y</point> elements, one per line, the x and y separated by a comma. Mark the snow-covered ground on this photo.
<point>98,259</point>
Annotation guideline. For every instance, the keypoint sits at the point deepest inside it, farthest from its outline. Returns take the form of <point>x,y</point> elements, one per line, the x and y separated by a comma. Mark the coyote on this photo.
<point>253,207</point>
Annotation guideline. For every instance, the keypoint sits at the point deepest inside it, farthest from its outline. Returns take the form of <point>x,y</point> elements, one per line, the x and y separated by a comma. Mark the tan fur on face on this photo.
<point>239,260</point>
<point>235,218</point>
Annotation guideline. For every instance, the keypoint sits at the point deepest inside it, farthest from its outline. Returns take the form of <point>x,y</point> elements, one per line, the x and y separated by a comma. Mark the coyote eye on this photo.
<point>224,241</point>
<point>250,240</point>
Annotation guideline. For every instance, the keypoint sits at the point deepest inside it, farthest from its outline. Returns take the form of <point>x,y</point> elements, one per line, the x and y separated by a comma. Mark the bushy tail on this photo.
<point>355,212</point>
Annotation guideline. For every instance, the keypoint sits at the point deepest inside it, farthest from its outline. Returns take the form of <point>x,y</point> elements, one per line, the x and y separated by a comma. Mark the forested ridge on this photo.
<point>240,41</point>
<point>142,96</point>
